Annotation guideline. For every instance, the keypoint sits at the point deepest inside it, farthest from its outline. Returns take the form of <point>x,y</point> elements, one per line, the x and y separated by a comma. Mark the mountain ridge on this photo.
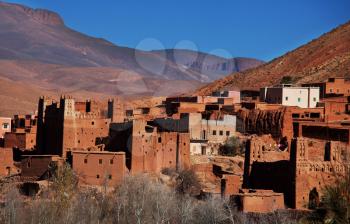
<point>324,57</point>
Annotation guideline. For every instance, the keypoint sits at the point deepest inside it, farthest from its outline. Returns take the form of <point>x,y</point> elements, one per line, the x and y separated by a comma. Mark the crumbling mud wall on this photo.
<point>262,121</point>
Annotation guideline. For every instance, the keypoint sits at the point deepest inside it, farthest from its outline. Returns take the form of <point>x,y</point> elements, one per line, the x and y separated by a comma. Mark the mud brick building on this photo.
<point>116,110</point>
<point>260,201</point>
<point>99,168</point>
<point>299,174</point>
<point>337,86</point>
<point>37,167</point>
<point>151,146</point>
<point>5,126</point>
<point>7,166</point>
<point>23,133</point>
<point>69,125</point>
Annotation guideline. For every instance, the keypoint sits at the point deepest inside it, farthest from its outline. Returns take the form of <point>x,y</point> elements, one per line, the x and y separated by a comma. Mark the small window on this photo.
<point>93,123</point>
<point>299,100</point>
<point>97,176</point>
<point>221,132</point>
<point>100,161</point>
<point>286,98</point>
<point>85,161</point>
<point>110,177</point>
<point>111,161</point>
<point>159,139</point>
<point>314,99</point>
<point>28,165</point>
<point>214,132</point>
<point>227,133</point>
<point>5,125</point>
<point>295,115</point>
<point>331,90</point>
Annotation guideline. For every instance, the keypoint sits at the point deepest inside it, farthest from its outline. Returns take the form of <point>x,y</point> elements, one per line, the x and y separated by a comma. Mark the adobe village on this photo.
<point>159,130</point>
<point>270,150</point>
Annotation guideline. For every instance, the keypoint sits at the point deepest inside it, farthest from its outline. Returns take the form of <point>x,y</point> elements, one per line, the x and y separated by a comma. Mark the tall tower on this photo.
<point>116,110</point>
<point>40,137</point>
<point>67,124</point>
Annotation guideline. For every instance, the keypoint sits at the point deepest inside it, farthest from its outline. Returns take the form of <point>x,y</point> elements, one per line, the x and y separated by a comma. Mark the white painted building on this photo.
<point>287,95</point>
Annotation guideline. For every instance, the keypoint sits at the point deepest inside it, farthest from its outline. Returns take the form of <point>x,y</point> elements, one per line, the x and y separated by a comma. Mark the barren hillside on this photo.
<point>327,56</point>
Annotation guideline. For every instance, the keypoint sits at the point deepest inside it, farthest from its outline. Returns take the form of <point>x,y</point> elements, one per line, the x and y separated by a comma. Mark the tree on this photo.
<point>286,80</point>
<point>64,184</point>
<point>232,147</point>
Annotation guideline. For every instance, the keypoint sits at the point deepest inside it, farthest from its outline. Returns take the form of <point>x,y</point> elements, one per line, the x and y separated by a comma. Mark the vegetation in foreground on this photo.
<point>142,199</point>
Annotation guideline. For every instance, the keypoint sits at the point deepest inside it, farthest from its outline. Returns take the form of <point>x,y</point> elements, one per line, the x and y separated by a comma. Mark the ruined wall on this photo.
<point>317,164</point>
<point>261,201</point>
<point>262,121</point>
<point>152,151</point>
<point>230,184</point>
<point>36,167</point>
<point>99,168</point>
<point>266,166</point>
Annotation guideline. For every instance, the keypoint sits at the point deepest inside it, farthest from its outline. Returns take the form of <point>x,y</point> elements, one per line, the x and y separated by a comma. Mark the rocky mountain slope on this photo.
<point>39,54</point>
<point>326,56</point>
<point>40,35</point>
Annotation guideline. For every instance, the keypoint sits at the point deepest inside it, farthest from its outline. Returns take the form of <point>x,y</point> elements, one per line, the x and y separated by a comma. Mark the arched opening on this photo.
<point>314,199</point>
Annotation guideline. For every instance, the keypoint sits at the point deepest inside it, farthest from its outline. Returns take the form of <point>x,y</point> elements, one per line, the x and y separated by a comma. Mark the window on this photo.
<point>221,132</point>
<point>100,161</point>
<point>331,90</point>
<point>314,99</point>
<point>85,161</point>
<point>295,115</point>
<point>286,98</point>
<point>159,139</point>
<point>227,133</point>
<point>93,123</point>
<point>28,164</point>
<point>299,100</point>
<point>97,176</point>
<point>111,161</point>
<point>214,132</point>
<point>5,125</point>
<point>109,176</point>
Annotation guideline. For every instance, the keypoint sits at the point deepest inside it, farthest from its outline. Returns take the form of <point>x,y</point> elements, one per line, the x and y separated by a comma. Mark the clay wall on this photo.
<point>152,151</point>
<point>317,163</point>
<point>6,162</point>
<point>36,167</point>
<point>99,168</point>
<point>260,201</point>
<point>23,141</point>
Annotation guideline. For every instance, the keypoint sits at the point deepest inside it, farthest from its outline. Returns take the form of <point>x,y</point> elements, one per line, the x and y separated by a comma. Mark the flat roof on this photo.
<point>97,152</point>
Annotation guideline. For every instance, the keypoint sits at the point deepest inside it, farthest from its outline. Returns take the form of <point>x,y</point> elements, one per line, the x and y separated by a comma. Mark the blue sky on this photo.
<point>262,29</point>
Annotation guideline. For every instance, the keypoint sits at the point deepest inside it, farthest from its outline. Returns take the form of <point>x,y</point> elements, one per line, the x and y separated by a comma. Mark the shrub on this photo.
<point>286,80</point>
<point>232,147</point>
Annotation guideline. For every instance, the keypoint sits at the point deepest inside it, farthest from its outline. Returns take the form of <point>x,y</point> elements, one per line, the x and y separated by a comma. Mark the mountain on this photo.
<point>324,57</point>
<point>207,64</point>
<point>37,48</point>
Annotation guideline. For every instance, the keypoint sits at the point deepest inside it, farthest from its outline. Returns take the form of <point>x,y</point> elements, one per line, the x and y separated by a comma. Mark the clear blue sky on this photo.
<point>262,29</point>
